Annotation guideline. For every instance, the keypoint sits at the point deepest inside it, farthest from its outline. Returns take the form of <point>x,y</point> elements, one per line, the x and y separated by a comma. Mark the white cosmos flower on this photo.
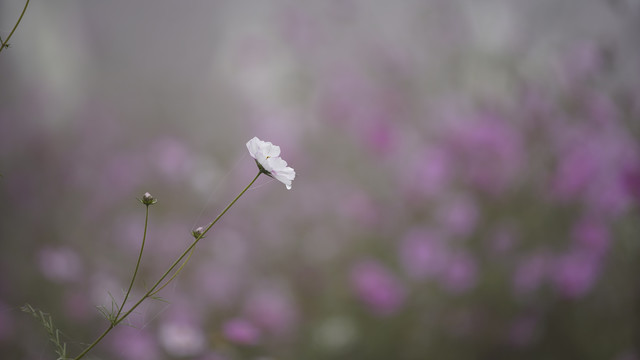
<point>267,157</point>
<point>262,150</point>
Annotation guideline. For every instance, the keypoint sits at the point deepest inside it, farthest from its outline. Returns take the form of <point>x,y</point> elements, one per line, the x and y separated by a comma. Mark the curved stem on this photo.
<point>135,272</point>
<point>152,290</point>
<point>193,244</point>
<point>174,274</point>
<point>82,354</point>
<point>6,41</point>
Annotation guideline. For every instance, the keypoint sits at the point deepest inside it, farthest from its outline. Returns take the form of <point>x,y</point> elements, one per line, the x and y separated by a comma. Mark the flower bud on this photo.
<point>197,233</point>
<point>147,199</point>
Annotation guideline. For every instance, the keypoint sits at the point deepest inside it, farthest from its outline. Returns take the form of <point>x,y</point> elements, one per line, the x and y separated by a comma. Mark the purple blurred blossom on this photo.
<point>377,287</point>
<point>344,95</point>
<point>272,308</point>
<point>575,273</point>
<point>128,230</point>
<point>380,136</point>
<point>592,163</point>
<point>360,207</point>
<point>61,264</point>
<point>460,274</point>
<point>220,284</point>
<point>429,173</point>
<point>423,253</point>
<point>575,170</point>
<point>231,247</point>
<point>365,109</point>
<point>121,174</point>
<point>592,235</point>
<point>458,215</point>
<point>489,151</point>
<point>241,331</point>
<point>134,344</point>
<point>172,157</point>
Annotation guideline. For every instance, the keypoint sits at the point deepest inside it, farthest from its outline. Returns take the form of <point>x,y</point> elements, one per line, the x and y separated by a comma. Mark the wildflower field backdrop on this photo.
<point>467,178</point>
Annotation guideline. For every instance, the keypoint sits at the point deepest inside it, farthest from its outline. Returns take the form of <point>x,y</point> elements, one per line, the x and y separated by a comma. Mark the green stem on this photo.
<point>135,272</point>
<point>6,41</point>
<point>151,291</point>
<point>175,263</point>
<point>174,275</point>
<point>82,354</point>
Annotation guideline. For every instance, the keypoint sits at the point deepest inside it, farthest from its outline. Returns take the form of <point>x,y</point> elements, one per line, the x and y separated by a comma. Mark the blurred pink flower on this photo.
<point>220,284</point>
<point>121,173</point>
<point>134,344</point>
<point>575,273</point>
<point>241,331</point>
<point>172,157</point>
<point>576,168</point>
<point>380,136</point>
<point>592,235</point>
<point>458,215</point>
<point>366,110</point>
<point>488,150</point>
<point>423,253</point>
<point>359,206</point>
<point>272,308</point>
<point>429,172</point>
<point>60,264</point>
<point>593,160</point>
<point>377,287</point>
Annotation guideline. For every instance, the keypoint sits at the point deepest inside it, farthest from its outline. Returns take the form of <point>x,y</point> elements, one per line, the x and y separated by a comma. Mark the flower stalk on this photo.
<point>135,272</point>
<point>5,43</point>
<point>156,286</point>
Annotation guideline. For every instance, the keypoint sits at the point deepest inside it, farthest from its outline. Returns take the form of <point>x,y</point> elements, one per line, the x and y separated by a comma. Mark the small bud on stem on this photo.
<point>147,199</point>
<point>197,233</point>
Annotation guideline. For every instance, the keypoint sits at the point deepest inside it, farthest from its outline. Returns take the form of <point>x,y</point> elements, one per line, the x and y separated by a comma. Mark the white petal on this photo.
<point>253,146</point>
<point>279,170</point>
<point>262,150</point>
<point>270,150</point>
